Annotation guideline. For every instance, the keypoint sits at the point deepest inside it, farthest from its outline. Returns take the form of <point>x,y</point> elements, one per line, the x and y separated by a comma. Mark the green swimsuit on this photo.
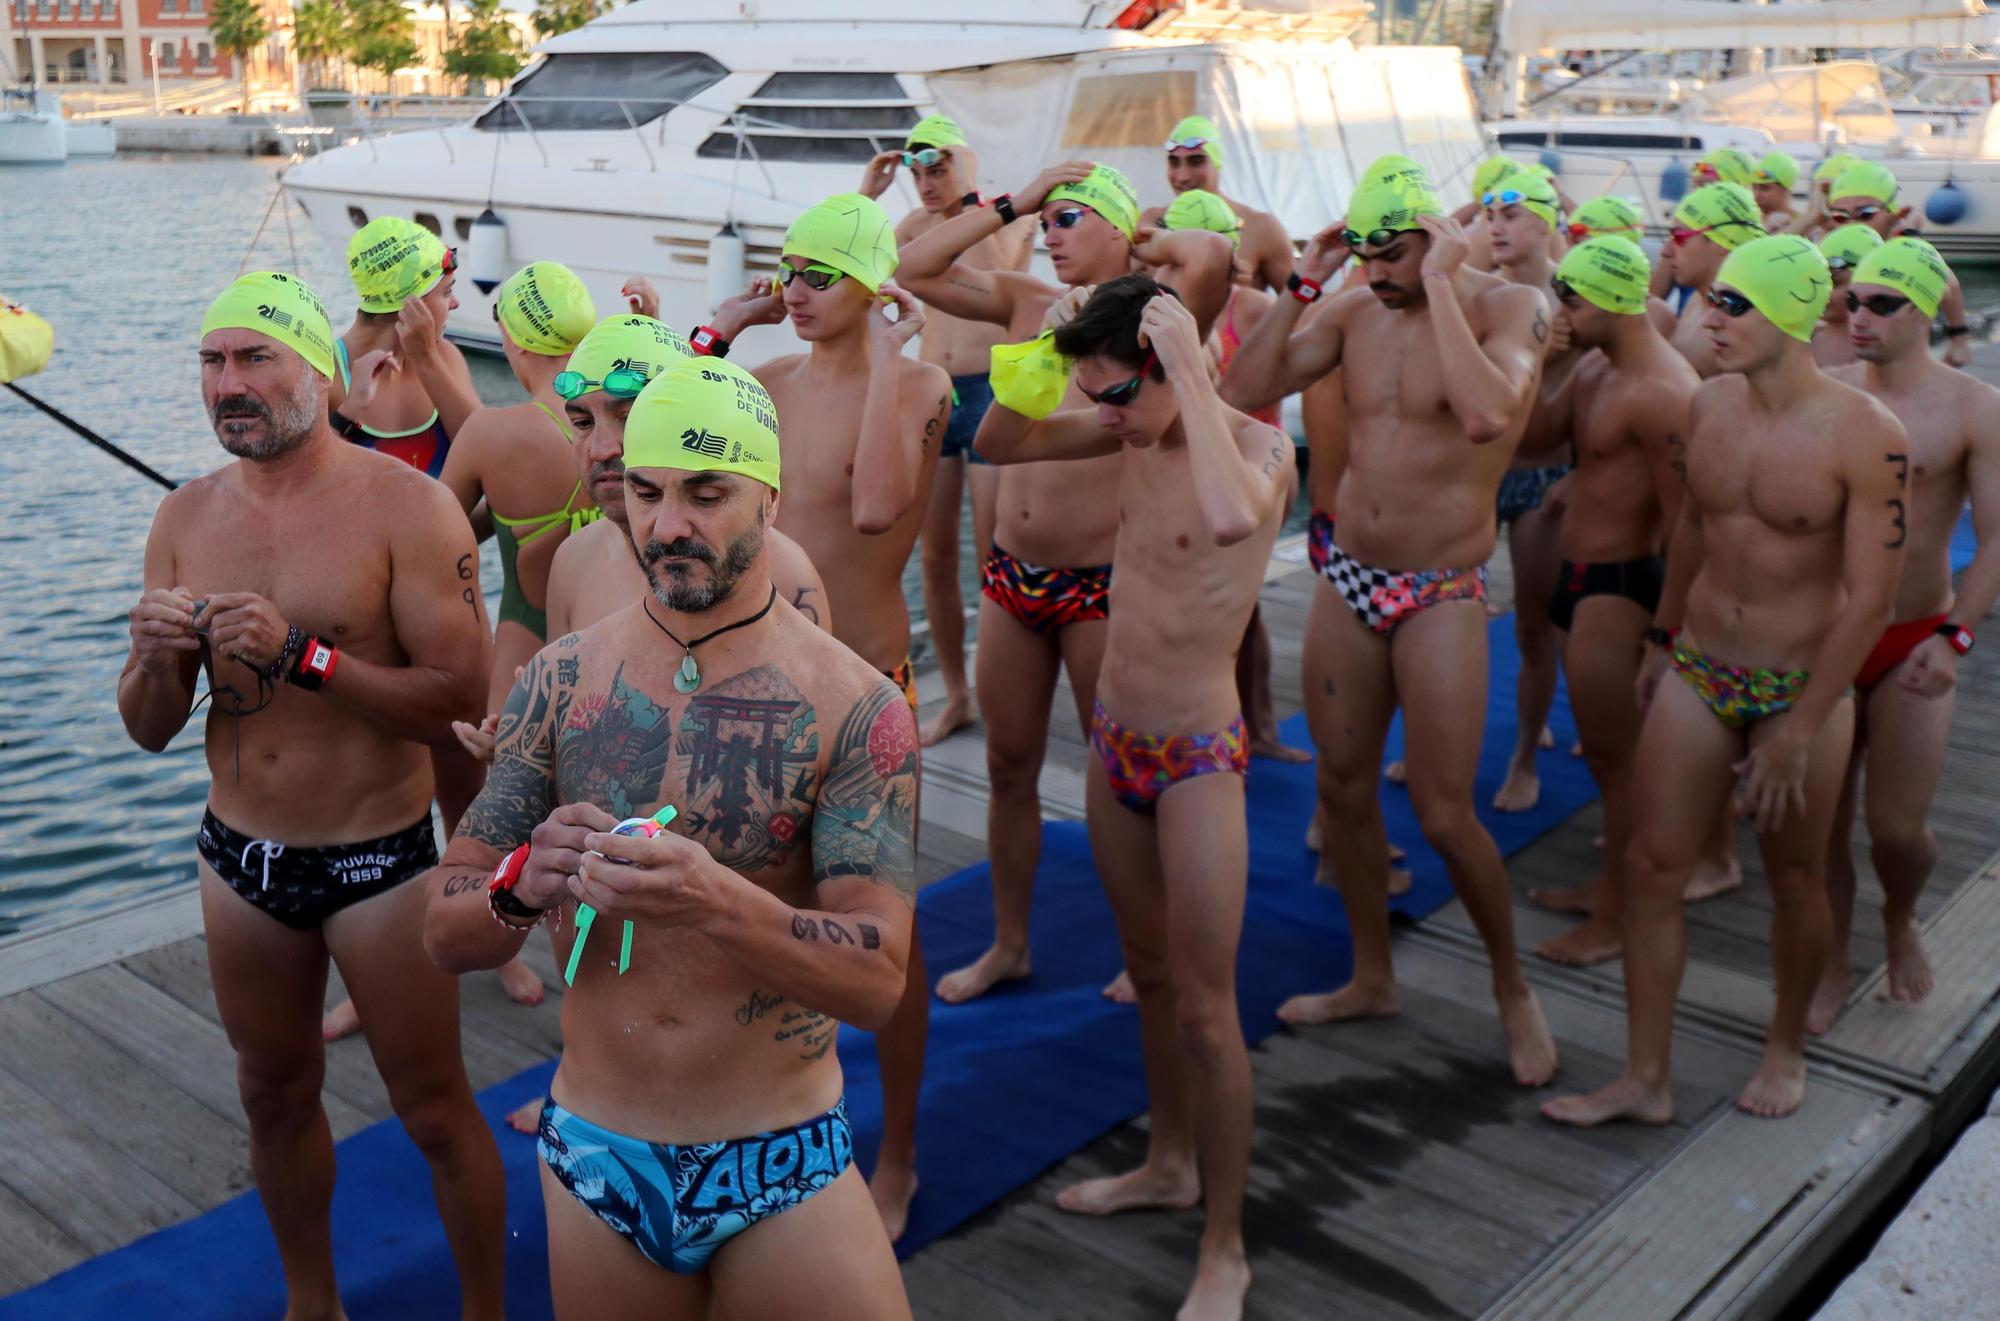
<point>514,607</point>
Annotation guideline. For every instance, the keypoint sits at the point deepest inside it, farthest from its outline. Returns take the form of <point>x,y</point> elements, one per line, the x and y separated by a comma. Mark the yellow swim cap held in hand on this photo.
<point>1199,209</point>
<point>1610,272</point>
<point>936,131</point>
<point>1726,212</point>
<point>704,415</point>
<point>1029,378</point>
<point>1606,215</point>
<point>280,306</point>
<point>629,342</point>
<point>1867,179</point>
<point>1778,167</point>
<point>1912,268</point>
<point>1784,277</point>
<point>545,309</point>
<point>392,259</point>
<point>25,341</point>
<point>1849,244</point>
<point>1108,193</point>
<point>1197,130</point>
<point>850,233</point>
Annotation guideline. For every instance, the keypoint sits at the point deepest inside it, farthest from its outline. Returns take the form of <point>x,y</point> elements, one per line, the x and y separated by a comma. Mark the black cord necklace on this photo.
<point>689,677</point>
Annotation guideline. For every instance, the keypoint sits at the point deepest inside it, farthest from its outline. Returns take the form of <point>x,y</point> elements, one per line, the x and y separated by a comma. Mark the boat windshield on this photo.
<point>591,90</point>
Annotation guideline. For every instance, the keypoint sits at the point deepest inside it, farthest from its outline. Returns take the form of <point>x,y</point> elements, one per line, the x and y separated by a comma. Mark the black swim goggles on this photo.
<point>1565,293</point>
<point>619,383</point>
<point>1730,303</point>
<point>816,276</point>
<point>1123,393</point>
<point>1374,238</point>
<point>1877,304</point>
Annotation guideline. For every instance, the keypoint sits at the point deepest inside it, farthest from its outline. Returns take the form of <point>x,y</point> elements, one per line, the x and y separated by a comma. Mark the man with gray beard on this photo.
<point>329,594</point>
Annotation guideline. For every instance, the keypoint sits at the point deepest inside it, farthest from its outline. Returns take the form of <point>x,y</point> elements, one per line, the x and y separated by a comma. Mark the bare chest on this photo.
<point>1768,473</point>
<point>1392,367</point>
<point>325,571</point>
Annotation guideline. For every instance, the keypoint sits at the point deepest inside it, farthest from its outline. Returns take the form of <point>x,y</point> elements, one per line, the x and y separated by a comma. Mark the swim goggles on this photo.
<point>1505,197</point>
<point>1732,304</point>
<point>1834,263</point>
<point>924,156</point>
<point>1123,393</point>
<point>1069,219</point>
<point>1877,304</point>
<point>619,383</point>
<point>1192,144</point>
<point>1681,234</point>
<point>1859,215</point>
<point>816,276</point>
<point>1374,238</point>
<point>1565,294</point>
<point>1578,231</point>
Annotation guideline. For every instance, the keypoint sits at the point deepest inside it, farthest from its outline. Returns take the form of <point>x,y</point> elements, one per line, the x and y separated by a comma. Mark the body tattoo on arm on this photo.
<point>1901,463</point>
<point>865,823</point>
<point>520,787</point>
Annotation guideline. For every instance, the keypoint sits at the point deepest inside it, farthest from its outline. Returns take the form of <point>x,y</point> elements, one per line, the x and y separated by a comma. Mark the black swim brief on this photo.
<point>303,887</point>
<point>971,396</point>
<point>1636,580</point>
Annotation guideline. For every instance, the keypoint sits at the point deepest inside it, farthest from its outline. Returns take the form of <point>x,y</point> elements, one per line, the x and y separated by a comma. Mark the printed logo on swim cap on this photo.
<point>269,313</point>
<point>705,442</point>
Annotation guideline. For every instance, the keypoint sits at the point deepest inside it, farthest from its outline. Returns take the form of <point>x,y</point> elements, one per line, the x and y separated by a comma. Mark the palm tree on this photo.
<point>319,36</point>
<point>239,27</point>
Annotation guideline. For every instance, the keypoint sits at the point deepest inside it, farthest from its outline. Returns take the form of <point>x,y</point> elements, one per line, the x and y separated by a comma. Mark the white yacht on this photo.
<point>31,127</point>
<point>676,139</point>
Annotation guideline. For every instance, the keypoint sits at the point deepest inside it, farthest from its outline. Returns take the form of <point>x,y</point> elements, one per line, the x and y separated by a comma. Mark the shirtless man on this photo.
<point>323,590</point>
<point>1815,222</point>
<point>1607,216</point>
<point>1047,577</point>
<point>1521,217</point>
<point>945,170</point>
<point>1798,482</point>
<point>1202,493</point>
<point>1903,694</point>
<point>1865,194</point>
<point>1194,160</point>
<point>861,449</point>
<point>1844,249</point>
<point>1710,223</point>
<point>777,904</point>
<point>1771,184</point>
<point>1627,407</point>
<point>1439,365</point>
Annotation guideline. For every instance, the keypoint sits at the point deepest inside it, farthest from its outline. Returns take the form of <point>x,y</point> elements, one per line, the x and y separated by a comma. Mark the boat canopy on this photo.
<point>1803,103</point>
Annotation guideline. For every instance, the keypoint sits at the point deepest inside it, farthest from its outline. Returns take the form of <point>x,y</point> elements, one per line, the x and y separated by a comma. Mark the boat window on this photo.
<point>358,216</point>
<point>1623,141</point>
<point>597,90</point>
<point>430,222</point>
<point>825,117</point>
<point>462,226</point>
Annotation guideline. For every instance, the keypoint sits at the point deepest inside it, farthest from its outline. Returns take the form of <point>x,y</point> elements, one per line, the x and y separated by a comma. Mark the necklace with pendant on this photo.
<point>688,677</point>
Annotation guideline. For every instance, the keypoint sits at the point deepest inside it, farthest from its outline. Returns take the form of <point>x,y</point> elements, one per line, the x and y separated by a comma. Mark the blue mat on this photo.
<point>1015,1082</point>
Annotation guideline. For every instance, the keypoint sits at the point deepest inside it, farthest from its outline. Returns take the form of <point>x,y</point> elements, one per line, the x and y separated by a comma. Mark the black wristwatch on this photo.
<point>1003,206</point>
<point>971,199</point>
<point>1959,636</point>
<point>1953,332</point>
<point>348,429</point>
<point>1661,638</point>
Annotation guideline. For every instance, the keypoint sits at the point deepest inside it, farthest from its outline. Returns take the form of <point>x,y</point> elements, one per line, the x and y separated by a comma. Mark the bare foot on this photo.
<point>1627,1098</point>
<point>1829,998</point>
<point>1548,738</point>
<point>1710,879</point>
<point>983,974</point>
<point>1576,748</point>
<point>340,1021</point>
<point>1520,793</point>
<point>1579,947</point>
<point>1531,1050</point>
<point>957,714</point>
<point>1276,751</point>
<point>1119,989</point>
<point>1349,1002</point>
<point>1397,854</point>
<point>893,1186</point>
<point>526,1119</point>
<point>1778,1090</point>
<point>520,983</point>
<point>1143,1189</point>
<point>1565,899</point>
<point>1396,773</point>
<point>1221,1279</point>
<point>1400,881</point>
<point>1910,977</point>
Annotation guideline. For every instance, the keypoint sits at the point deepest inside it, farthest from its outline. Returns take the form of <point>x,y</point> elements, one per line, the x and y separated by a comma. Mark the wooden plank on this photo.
<point>43,956</point>
<point>36,1246</point>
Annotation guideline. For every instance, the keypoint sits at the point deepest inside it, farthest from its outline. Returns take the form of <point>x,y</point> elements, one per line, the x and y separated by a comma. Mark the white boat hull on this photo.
<point>32,139</point>
<point>91,137</point>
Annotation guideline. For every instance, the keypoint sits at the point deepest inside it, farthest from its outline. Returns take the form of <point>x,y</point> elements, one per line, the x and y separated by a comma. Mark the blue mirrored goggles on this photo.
<point>1505,197</point>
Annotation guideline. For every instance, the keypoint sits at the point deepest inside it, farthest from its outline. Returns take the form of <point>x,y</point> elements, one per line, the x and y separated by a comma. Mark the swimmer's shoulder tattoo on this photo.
<point>865,823</point>
<point>520,785</point>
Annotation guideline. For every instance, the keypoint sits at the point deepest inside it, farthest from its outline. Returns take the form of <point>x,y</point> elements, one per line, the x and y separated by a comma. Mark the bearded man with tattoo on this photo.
<point>696,1149</point>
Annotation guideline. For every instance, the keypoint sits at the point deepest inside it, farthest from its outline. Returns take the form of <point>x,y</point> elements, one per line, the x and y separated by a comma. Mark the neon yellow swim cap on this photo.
<point>1912,268</point>
<point>1108,193</point>
<point>850,233</point>
<point>1197,130</point>
<point>1199,209</point>
<point>1608,215</point>
<point>392,259</point>
<point>1866,179</point>
<point>1784,277</point>
<point>1538,195</point>
<point>544,308</point>
<point>25,341</point>
<point>704,415</point>
<point>1834,166</point>
<point>1725,211</point>
<point>1398,170</point>
<point>629,341</point>
<point>1029,378</point>
<point>1377,207</point>
<point>1728,165</point>
<point>1778,167</point>
<point>279,306</point>
<point>1489,170</point>
<point>1610,272</point>
<point>1849,244</point>
<point>936,131</point>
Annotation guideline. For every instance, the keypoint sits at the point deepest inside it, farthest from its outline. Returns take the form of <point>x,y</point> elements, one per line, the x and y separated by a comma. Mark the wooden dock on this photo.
<point>1397,1172</point>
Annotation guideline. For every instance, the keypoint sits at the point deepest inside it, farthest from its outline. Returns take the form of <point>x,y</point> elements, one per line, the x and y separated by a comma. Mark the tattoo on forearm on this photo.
<point>804,928</point>
<point>974,286</point>
<point>469,882</point>
<point>758,1005</point>
<point>1901,463</point>
<point>1900,526</point>
<point>836,934</point>
<point>520,785</point>
<point>1274,461</point>
<point>865,823</point>
<point>471,594</point>
<point>808,1029</point>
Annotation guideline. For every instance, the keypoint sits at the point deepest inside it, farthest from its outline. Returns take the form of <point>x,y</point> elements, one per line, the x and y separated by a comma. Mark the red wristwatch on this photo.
<point>1306,291</point>
<point>315,665</point>
<point>508,910</point>
<point>707,343</point>
<point>1959,636</point>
